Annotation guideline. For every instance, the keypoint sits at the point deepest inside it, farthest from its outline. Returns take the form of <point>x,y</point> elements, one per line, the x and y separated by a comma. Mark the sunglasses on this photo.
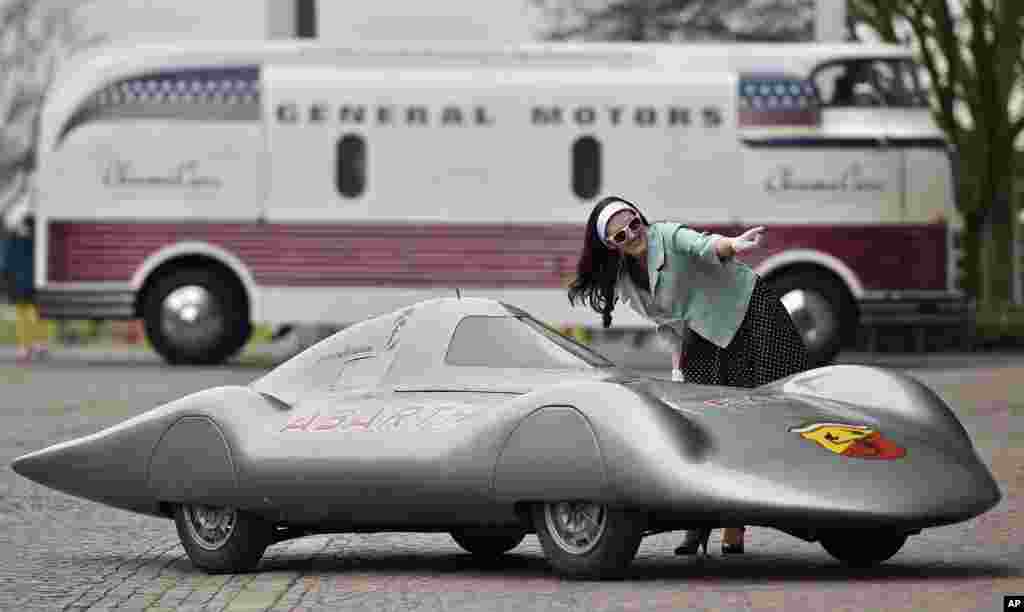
<point>620,237</point>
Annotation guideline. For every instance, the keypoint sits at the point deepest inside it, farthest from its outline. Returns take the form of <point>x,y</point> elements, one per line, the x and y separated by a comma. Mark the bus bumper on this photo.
<point>85,304</point>
<point>924,315</point>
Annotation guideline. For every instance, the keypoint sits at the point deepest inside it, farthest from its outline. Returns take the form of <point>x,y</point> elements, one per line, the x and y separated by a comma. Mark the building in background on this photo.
<point>490,21</point>
<point>152,20</point>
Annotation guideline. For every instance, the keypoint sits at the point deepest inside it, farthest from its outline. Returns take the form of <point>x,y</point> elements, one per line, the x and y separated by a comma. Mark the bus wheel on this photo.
<point>821,311</point>
<point>196,316</point>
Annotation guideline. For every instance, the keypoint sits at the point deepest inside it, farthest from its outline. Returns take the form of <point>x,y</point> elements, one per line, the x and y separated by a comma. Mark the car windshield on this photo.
<point>893,83</point>
<point>517,342</point>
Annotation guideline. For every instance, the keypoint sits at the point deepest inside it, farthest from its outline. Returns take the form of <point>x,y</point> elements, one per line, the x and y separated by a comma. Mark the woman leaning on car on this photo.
<point>725,325</point>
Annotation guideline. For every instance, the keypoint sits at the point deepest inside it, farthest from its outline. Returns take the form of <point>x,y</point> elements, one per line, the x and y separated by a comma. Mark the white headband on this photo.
<point>606,213</point>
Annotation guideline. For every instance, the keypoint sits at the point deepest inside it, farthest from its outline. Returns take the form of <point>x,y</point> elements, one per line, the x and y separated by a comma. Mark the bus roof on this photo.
<point>131,56</point>
<point>100,66</point>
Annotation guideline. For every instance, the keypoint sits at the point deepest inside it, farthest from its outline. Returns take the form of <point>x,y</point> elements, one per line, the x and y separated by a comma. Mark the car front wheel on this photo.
<point>488,542</point>
<point>862,549</point>
<point>586,540</point>
<point>222,540</point>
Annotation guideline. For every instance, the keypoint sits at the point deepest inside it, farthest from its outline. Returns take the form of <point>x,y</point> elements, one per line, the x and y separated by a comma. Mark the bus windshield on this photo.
<point>857,83</point>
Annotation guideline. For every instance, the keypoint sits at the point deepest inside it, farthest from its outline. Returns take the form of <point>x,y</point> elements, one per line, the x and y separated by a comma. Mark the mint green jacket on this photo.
<point>690,283</point>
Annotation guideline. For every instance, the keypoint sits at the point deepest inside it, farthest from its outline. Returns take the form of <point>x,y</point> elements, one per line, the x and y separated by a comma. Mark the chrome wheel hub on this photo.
<point>576,527</point>
<point>813,316</point>
<point>191,316</point>
<point>209,526</point>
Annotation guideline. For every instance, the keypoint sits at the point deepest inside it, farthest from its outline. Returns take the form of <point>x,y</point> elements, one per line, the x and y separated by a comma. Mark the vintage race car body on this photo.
<point>459,414</point>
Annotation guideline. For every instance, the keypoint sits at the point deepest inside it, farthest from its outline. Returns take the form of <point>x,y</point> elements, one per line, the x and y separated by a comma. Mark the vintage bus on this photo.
<point>205,186</point>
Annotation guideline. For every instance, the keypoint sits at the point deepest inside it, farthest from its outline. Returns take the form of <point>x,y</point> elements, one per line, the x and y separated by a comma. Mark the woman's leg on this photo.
<point>40,335</point>
<point>732,539</point>
<point>739,369</point>
<point>767,347</point>
<point>23,328</point>
<point>703,366</point>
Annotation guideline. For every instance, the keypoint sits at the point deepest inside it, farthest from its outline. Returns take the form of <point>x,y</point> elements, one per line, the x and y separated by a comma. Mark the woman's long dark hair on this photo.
<point>598,267</point>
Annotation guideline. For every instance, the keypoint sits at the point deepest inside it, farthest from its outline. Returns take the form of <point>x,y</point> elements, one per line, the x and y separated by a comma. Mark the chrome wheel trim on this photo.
<point>210,526</point>
<point>576,527</point>
<point>191,316</point>
<point>813,316</point>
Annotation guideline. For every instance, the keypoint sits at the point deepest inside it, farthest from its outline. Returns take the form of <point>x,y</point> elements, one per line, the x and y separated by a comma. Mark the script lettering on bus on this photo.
<point>852,179</point>
<point>186,174</point>
<point>456,115</point>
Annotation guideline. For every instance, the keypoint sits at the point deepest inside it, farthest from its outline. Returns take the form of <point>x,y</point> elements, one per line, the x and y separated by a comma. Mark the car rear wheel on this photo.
<point>222,540</point>
<point>484,542</point>
<point>587,540</point>
<point>858,549</point>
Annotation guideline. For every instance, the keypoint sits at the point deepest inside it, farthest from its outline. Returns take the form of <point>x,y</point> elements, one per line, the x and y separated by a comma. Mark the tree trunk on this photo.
<point>996,267</point>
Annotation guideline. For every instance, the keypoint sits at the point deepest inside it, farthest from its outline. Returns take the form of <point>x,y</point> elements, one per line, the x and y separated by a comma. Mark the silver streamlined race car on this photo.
<point>471,417</point>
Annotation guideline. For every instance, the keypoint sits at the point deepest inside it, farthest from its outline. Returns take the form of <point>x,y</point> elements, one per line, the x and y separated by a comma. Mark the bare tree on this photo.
<point>678,20</point>
<point>35,37</point>
<point>973,51</point>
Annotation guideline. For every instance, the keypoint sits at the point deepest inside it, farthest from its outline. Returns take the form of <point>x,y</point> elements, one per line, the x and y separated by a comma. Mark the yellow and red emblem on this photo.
<point>858,441</point>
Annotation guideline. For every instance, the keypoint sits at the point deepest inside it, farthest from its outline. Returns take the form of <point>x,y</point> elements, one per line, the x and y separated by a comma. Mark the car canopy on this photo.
<point>442,344</point>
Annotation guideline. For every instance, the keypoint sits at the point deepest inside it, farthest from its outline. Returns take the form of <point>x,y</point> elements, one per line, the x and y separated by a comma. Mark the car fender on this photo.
<point>882,393</point>
<point>192,462</point>
<point>552,454</point>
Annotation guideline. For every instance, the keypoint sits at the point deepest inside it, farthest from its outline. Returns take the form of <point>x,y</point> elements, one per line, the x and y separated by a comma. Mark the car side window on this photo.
<point>515,342</point>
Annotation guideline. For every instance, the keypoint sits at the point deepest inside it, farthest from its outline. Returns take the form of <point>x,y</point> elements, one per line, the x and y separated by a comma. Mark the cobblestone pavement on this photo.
<point>62,553</point>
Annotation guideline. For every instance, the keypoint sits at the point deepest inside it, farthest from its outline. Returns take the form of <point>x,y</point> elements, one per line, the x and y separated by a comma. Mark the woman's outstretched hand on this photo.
<point>747,240</point>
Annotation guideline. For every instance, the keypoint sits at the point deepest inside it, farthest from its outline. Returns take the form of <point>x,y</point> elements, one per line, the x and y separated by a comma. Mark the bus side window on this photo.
<point>866,83</point>
<point>350,166</point>
<point>835,84</point>
<point>586,167</point>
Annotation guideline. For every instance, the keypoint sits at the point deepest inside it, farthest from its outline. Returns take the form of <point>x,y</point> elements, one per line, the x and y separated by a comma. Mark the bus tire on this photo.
<point>821,309</point>
<point>196,316</point>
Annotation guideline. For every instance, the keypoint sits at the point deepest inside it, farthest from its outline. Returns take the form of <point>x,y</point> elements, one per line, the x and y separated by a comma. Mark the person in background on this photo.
<point>32,334</point>
<point>724,324</point>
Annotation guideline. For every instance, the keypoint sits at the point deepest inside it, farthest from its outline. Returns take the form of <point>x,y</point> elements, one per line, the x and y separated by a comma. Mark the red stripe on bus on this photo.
<point>884,257</point>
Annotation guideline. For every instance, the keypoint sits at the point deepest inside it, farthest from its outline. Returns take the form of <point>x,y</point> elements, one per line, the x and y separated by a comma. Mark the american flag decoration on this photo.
<point>228,85</point>
<point>777,101</point>
<point>214,93</point>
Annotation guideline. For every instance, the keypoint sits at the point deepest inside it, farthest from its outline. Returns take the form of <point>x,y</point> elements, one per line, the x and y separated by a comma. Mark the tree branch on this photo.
<point>878,14</point>
<point>1008,18</point>
<point>1016,128</point>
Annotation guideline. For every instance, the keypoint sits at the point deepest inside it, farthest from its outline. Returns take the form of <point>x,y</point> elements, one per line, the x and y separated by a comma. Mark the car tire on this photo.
<point>488,542</point>
<point>222,540</point>
<point>862,549</point>
<point>822,310</point>
<point>196,316</point>
<point>603,549</point>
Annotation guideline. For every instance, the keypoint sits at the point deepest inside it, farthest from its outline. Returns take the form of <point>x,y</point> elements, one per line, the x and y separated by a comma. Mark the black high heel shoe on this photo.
<point>694,541</point>
<point>732,549</point>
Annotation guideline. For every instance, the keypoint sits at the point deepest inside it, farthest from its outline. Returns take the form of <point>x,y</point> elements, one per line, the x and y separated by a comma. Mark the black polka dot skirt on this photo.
<point>766,347</point>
